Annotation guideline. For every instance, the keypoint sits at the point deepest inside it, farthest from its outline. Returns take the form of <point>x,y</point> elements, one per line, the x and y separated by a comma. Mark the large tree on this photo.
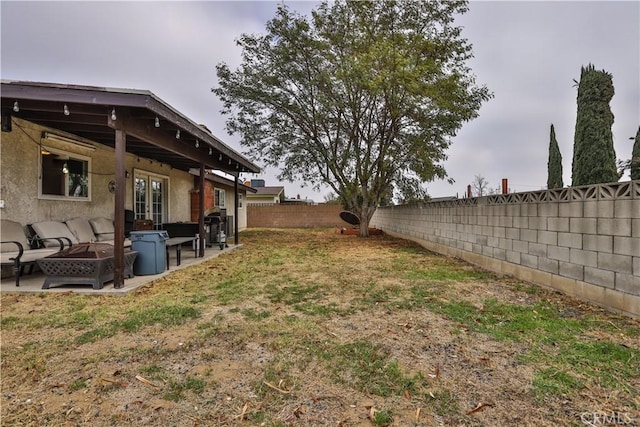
<point>554,165</point>
<point>635,157</point>
<point>362,97</point>
<point>594,158</point>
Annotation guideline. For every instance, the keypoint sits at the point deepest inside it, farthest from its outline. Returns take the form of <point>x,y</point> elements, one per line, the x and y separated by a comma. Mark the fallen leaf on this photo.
<point>300,411</point>
<point>372,413</point>
<point>244,411</point>
<point>145,381</point>
<point>120,383</point>
<point>276,388</point>
<point>479,407</point>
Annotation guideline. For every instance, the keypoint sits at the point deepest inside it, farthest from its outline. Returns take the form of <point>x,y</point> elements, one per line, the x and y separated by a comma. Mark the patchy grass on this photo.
<point>309,327</point>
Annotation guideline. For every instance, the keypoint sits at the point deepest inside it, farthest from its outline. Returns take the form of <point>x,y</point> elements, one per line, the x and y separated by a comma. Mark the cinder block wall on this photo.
<point>583,241</point>
<point>294,216</point>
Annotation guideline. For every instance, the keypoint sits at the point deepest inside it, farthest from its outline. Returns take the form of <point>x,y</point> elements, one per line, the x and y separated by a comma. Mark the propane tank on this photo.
<point>223,239</point>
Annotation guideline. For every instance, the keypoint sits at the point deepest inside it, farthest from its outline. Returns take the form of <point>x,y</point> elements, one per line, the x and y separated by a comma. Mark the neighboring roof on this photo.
<point>269,191</point>
<point>89,117</point>
<point>222,180</point>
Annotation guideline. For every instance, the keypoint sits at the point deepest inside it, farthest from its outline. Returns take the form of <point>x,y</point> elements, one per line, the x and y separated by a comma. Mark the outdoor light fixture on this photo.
<point>210,151</point>
<point>197,144</point>
<point>220,158</point>
<point>236,166</point>
<point>65,110</point>
<point>65,169</point>
<point>16,107</point>
<point>113,114</point>
<point>229,161</point>
<point>60,138</point>
<point>157,122</point>
<point>178,134</point>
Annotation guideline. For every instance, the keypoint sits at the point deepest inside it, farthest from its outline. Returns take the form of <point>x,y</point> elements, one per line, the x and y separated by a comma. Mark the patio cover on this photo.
<point>128,120</point>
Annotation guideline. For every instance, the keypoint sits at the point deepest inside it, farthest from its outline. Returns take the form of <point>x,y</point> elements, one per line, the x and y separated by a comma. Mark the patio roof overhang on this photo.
<point>90,117</point>
<point>125,120</point>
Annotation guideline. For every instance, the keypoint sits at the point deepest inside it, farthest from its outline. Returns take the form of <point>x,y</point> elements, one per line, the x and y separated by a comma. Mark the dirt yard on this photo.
<point>313,328</point>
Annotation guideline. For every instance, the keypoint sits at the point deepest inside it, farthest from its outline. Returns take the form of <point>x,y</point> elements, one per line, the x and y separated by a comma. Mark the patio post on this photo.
<point>118,214</point>
<point>201,210</point>
<point>235,210</point>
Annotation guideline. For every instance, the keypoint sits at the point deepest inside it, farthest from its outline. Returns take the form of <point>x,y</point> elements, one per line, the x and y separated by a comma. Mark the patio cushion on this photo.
<point>127,242</point>
<point>81,228</point>
<point>103,228</point>
<point>50,229</point>
<point>28,255</point>
<point>12,231</point>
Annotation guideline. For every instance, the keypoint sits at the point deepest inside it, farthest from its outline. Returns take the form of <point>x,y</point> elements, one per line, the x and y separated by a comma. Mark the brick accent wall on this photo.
<point>294,216</point>
<point>583,241</point>
<point>195,200</point>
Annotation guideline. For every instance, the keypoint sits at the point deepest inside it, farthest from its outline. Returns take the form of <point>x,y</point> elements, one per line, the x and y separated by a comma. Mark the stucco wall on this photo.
<point>209,202</point>
<point>583,241</point>
<point>19,157</point>
<point>254,199</point>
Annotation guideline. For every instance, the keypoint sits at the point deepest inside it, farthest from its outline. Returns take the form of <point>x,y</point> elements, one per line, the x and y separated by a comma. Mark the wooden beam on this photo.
<point>160,138</point>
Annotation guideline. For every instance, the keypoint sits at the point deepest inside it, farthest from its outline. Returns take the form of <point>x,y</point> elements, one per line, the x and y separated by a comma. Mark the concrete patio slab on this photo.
<point>32,283</point>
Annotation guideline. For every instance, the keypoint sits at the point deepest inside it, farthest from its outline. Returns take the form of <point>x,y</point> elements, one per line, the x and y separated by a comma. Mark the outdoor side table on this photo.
<point>177,242</point>
<point>84,264</point>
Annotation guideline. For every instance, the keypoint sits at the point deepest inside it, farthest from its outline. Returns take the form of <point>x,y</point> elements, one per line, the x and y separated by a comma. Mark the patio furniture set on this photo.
<point>77,251</point>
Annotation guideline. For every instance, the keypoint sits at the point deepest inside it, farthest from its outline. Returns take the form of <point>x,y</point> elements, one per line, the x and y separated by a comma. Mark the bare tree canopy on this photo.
<point>480,186</point>
<point>363,97</point>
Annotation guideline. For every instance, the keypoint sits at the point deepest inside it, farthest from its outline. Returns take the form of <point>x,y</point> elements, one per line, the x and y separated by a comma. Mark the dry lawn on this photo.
<point>313,328</point>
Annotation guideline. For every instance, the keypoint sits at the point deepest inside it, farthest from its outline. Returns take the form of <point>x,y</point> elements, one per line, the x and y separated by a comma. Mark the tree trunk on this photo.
<point>364,226</point>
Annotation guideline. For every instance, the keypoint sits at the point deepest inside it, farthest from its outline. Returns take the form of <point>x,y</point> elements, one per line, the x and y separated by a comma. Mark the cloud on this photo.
<point>527,53</point>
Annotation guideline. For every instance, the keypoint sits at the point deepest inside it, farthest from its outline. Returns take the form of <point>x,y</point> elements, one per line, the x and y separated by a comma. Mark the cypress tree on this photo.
<point>594,158</point>
<point>554,165</point>
<point>635,157</point>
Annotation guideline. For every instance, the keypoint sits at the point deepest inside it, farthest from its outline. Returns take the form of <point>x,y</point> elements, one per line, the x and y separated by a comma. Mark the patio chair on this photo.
<point>15,250</point>
<point>49,231</point>
<point>105,231</point>
<point>81,229</point>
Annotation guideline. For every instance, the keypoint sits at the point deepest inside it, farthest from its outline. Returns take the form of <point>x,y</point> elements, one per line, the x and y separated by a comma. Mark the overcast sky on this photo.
<point>527,53</point>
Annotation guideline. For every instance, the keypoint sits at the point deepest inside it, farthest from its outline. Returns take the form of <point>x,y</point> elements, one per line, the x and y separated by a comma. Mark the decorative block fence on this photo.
<point>583,241</point>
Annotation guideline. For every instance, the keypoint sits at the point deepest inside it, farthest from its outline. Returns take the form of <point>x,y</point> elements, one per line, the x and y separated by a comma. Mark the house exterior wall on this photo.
<point>583,241</point>
<point>209,201</point>
<point>19,170</point>
<point>256,199</point>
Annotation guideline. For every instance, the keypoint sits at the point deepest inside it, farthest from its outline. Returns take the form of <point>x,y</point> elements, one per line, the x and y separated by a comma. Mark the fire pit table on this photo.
<point>84,264</point>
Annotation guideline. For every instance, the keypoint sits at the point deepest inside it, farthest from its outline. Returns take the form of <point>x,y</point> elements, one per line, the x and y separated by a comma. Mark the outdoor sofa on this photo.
<point>17,251</point>
<point>78,230</point>
<point>50,237</point>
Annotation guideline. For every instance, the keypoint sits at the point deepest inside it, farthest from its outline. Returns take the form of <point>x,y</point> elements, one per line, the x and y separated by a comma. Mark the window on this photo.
<point>64,175</point>
<point>240,200</point>
<point>218,197</point>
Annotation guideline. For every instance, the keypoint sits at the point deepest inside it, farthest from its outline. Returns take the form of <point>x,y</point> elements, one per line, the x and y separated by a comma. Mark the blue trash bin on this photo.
<point>151,248</point>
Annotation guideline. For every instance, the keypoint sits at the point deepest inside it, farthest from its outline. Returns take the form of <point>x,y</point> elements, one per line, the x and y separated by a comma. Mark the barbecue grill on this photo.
<point>217,224</point>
